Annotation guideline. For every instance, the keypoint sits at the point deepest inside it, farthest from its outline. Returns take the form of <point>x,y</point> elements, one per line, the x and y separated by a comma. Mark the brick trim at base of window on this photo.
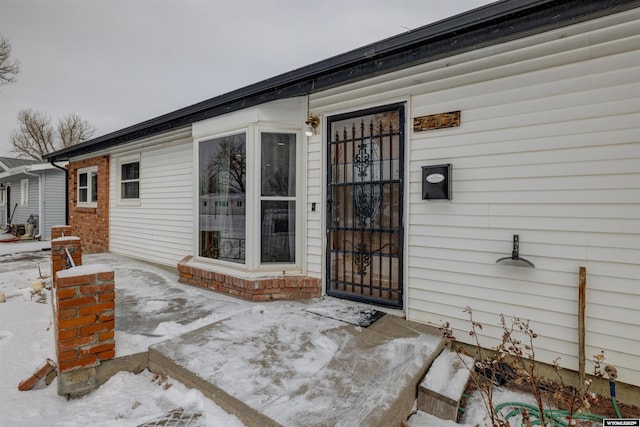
<point>259,289</point>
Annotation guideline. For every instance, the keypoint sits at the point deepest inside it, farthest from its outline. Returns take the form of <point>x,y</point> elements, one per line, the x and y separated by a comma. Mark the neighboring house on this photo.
<point>32,192</point>
<point>535,105</point>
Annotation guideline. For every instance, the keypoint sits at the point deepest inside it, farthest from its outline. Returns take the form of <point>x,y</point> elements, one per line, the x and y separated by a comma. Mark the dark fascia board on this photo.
<point>491,24</point>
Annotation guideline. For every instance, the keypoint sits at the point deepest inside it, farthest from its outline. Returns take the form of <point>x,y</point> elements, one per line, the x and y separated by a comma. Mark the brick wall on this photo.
<point>90,224</point>
<point>259,289</point>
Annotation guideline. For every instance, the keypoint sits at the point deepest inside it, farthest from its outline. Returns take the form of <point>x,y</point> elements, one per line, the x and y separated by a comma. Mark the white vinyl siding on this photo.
<point>46,200</point>
<point>54,199</point>
<point>315,194</point>
<point>548,148</point>
<point>160,227</point>
<point>21,188</point>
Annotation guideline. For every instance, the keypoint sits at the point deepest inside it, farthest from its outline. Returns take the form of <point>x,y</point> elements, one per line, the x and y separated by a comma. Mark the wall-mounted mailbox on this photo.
<point>436,182</point>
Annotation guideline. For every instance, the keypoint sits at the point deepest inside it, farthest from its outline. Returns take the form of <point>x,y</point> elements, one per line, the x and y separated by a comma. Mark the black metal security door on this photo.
<point>365,205</point>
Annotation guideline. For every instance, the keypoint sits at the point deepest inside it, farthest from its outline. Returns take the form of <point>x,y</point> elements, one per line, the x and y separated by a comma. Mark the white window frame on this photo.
<point>88,203</point>
<point>24,192</point>
<point>120,201</point>
<point>3,195</point>
<point>252,265</point>
<point>232,266</point>
<point>258,198</point>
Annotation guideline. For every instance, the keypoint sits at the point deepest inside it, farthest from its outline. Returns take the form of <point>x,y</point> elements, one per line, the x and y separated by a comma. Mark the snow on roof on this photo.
<point>11,162</point>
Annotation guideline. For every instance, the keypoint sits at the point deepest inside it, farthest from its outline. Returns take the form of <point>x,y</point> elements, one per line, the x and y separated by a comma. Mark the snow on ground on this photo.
<point>301,369</point>
<point>152,306</point>
<point>26,341</point>
<point>449,375</point>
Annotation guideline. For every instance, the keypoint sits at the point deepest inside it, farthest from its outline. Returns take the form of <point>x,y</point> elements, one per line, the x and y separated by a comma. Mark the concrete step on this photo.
<point>441,389</point>
<point>162,363</point>
<point>270,374</point>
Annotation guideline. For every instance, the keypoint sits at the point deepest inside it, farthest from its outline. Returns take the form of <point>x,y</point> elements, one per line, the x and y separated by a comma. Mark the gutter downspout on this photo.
<point>66,190</point>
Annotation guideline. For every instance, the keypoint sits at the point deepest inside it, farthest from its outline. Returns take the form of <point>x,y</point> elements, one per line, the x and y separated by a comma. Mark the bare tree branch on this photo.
<point>72,130</point>
<point>8,68</point>
<point>227,167</point>
<point>34,136</point>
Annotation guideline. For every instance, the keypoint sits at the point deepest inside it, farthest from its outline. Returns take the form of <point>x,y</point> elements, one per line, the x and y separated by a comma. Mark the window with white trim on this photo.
<point>128,179</point>
<point>244,224</point>
<point>223,182</point>
<point>88,187</point>
<point>24,192</point>
<point>278,198</point>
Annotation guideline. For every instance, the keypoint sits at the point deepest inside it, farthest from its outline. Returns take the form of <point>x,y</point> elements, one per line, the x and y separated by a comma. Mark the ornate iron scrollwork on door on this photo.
<point>365,194</point>
<point>366,182</point>
<point>362,258</point>
<point>362,160</point>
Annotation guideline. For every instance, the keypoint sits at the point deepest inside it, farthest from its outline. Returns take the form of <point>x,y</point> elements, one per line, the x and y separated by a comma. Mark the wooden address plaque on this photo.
<point>436,121</point>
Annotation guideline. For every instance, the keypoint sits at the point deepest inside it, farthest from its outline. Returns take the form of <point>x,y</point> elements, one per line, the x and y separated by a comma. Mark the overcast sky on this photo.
<point>120,62</point>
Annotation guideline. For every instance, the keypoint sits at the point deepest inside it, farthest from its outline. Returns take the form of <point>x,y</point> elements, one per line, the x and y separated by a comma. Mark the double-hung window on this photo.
<point>129,179</point>
<point>88,186</point>
<point>277,197</point>
<point>248,199</point>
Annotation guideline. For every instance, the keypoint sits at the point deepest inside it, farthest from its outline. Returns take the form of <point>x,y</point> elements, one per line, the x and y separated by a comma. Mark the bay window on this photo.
<point>253,226</point>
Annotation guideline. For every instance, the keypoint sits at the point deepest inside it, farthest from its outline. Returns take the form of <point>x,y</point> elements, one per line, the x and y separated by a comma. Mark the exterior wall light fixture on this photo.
<point>312,123</point>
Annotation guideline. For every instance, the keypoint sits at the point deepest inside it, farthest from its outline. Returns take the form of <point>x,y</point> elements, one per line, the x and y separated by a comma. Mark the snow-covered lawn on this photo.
<point>26,341</point>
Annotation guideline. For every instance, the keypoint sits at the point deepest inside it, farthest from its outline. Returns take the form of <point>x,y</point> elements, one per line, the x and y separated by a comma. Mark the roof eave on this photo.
<point>490,24</point>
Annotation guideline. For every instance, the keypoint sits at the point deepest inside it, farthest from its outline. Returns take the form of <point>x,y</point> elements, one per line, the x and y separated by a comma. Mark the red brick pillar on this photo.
<point>84,317</point>
<point>85,325</point>
<point>59,247</point>
<point>85,304</point>
<point>60,231</point>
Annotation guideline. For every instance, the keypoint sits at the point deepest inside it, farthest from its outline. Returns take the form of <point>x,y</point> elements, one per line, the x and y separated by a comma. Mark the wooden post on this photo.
<point>582,302</point>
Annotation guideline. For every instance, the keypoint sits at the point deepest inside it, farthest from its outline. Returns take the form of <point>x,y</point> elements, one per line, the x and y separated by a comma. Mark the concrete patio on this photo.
<point>270,364</point>
<point>278,373</point>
